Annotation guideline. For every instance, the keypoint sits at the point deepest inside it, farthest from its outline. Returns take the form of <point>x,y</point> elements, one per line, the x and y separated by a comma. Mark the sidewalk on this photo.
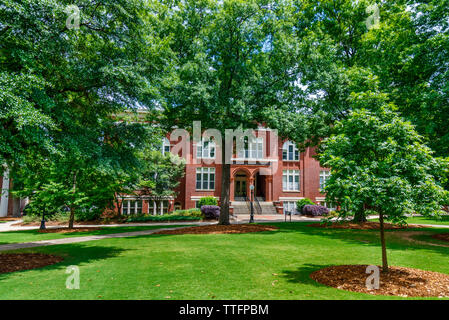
<point>11,226</point>
<point>44,243</point>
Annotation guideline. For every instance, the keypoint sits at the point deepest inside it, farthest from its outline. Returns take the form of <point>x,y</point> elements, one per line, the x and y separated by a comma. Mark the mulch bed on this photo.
<point>10,262</point>
<point>441,236</point>
<point>399,281</point>
<point>218,229</point>
<point>9,219</point>
<point>67,230</point>
<point>363,226</point>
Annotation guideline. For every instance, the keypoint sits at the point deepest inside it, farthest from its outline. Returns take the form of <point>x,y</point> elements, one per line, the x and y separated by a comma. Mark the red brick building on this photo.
<point>9,206</point>
<point>281,175</point>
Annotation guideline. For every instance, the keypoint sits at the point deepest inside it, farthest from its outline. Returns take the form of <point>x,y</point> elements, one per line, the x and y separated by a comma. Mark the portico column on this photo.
<point>269,188</point>
<point>4,194</point>
<point>231,189</point>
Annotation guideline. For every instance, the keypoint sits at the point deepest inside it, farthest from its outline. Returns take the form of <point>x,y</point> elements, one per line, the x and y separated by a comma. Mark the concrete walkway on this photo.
<point>44,243</point>
<point>13,225</point>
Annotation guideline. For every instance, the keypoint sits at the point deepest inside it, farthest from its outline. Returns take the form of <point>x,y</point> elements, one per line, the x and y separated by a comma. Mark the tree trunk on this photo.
<point>225,190</point>
<point>382,240</point>
<point>359,216</point>
<point>72,209</point>
<point>72,217</point>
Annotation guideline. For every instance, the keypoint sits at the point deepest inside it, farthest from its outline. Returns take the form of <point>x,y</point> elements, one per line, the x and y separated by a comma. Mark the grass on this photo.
<point>424,220</point>
<point>269,265</point>
<point>35,235</point>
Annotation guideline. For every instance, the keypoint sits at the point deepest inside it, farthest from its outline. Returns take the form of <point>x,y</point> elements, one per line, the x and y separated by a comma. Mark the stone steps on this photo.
<point>242,208</point>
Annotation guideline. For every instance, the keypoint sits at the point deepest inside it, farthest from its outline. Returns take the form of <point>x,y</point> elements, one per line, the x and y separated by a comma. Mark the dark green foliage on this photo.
<point>207,201</point>
<point>162,218</point>
<point>303,202</point>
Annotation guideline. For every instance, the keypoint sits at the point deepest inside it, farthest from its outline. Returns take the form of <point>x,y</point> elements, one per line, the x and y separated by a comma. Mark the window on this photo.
<point>177,206</point>
<point>158,207</point>
<point>290,180</point>
<point>290,206</point>
<point>132,207</point>
<point>252,149</point>
<point>290,152</point>
<point>165,146</point>
<point>324,176</point>
<point>205,149</point>
<point>205,178</point>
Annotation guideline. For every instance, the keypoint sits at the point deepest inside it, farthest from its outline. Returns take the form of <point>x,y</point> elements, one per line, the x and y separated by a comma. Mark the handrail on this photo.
<point>258,207</point>
<point>248,203</point>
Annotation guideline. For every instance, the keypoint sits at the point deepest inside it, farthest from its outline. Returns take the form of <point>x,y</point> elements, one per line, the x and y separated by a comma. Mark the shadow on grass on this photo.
<point>74,254</point>
<point>25,236</point>
<point>302,274</point>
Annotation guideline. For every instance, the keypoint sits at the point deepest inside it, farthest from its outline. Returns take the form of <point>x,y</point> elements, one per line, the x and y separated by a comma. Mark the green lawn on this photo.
<point>422,220</point>
<point>270,265</point>
<point>35,235</point>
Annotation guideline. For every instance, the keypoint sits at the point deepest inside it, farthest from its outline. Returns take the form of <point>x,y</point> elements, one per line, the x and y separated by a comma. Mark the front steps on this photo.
<point>241,207</point>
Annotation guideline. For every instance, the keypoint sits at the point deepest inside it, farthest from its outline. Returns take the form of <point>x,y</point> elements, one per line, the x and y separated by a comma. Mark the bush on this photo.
<point>303,202</point>
<point>207,201</point>
<point>210,212</point>
<point>88,214</point>
<point>165,217</point>
<point>316,211</point>
<point>188,213</point>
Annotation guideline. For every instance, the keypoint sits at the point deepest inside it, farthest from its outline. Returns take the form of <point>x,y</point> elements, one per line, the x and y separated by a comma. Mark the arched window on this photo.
<point>165,146</point>
<point>290,152</point>
<point>205,149</point>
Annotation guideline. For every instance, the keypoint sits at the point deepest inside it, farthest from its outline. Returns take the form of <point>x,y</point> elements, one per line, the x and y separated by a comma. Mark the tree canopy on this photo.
<point>379,160</point>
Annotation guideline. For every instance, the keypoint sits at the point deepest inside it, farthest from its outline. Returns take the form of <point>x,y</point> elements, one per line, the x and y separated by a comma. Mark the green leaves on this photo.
<point>378,161</point>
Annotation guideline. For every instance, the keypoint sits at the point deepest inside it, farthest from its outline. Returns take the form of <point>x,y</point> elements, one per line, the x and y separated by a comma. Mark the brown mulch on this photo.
<point>399,281</point>
<point>218,229</point>
<point>9,219</point>
<point>363,226</point>
<point>67,230</point>
<point>65,223</point>
<point>10,262</point>
<point>441,236</point>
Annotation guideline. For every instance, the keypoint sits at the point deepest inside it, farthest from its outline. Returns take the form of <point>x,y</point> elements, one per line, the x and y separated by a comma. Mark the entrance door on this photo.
<point>240,186</point>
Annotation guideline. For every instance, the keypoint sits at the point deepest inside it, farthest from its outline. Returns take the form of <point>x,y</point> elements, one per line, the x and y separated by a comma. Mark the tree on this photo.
<point>233,63</point>
<point>61,88</point>
<point>161,175</point>
<point>378,159</point>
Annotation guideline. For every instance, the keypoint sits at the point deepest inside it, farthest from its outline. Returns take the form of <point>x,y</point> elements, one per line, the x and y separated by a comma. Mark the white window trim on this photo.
<point>209,171</point>
<point>286,205</point>
<point>288,174</point>
<point>200,149</point>
<point>161,207</point>
<point>165,143</point>
<point>325,175</point>
<point>285,148</point>
<point>128,205</point>
<point>253,147</point>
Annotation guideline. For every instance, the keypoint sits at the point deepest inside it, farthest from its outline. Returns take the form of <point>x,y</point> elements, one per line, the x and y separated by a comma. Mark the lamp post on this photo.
<point>42,227</point>
<point>251,219</point>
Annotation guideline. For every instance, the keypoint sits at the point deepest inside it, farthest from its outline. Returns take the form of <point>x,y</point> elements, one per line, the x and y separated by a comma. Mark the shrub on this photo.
<point>165,217</point>
<point>88,214</point>
<point>188,213</point>
<point>303,202</point>
<point>316,211</point>
<point>211,212</point>
<point>207,201</point>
